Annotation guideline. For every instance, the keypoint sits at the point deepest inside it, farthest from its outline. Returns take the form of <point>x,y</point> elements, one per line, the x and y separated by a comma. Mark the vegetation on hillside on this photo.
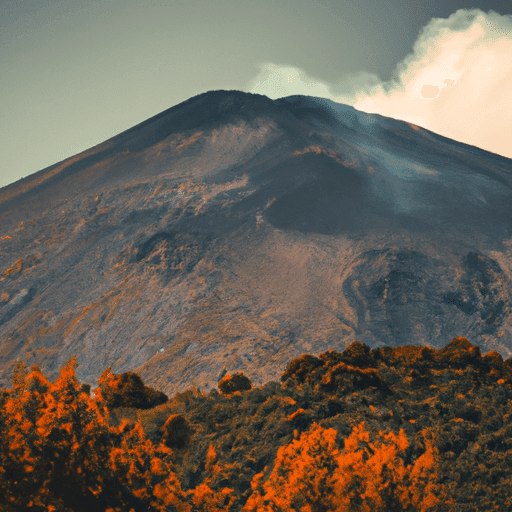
<point>396,428</point>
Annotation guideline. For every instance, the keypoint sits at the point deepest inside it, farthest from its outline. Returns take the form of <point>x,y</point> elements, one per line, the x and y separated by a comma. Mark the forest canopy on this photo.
<point>396,428</point>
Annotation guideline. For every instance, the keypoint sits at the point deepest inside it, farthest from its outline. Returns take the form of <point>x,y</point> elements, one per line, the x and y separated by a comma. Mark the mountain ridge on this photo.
<point>234,231</point>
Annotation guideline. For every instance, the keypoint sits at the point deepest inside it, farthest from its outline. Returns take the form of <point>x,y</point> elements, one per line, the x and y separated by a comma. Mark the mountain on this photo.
<point>234,233</point>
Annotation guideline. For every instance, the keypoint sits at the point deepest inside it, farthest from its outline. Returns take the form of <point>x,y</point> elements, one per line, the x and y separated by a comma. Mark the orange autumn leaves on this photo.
<point>58,450</point>
<point>311,474</point>
<point>45,430</point>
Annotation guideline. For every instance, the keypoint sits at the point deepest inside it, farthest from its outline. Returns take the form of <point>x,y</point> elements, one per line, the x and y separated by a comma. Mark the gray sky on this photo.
<point>76,73</point>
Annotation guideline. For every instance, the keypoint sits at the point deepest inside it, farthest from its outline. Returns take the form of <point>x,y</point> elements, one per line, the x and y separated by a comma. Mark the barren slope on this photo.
<point>233,231</point>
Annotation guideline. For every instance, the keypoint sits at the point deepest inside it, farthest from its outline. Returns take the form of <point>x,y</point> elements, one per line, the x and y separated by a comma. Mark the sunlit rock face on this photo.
<point>236,232</point>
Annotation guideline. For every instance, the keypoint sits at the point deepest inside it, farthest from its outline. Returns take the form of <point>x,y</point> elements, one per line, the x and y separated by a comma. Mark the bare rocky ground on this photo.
<point>233,232</point>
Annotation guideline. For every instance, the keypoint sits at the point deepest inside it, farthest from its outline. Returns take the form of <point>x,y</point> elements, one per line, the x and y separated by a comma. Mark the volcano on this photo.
<point>234,233</point>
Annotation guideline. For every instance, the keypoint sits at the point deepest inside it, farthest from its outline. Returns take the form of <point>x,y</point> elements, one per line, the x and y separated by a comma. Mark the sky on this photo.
<point>74,73</point>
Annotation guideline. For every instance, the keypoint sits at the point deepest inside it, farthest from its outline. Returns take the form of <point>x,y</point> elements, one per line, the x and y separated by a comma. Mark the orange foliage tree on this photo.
<point>143,474</point>
<point>56,443</point>
<point>58,452</point>
<point>312,475</point>
<point>203,497</point>
<point>19,469</point>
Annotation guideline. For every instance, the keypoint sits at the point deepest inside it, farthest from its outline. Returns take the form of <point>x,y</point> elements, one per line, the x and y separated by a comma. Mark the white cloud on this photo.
<point>456,82</point>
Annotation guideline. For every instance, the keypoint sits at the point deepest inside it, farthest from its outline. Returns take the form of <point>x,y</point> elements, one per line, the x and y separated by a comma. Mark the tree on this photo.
<point>312,475</point>
<point>21,468</point>
<point>237,382</point>
<point>143,474</point>
<point>56,443</point>
<point>128,390</point>
<point>203,497</point>
<point>58,453</point>
<point>176,431</point>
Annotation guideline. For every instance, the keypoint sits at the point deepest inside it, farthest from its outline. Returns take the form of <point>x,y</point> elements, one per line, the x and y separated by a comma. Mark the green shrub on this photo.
<point>237,382</point>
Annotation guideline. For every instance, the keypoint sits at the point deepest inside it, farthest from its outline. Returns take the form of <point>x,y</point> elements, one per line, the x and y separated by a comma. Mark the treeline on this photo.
<point>396,428</point>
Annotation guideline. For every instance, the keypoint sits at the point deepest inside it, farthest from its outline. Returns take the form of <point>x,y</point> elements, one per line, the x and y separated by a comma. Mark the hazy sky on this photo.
<point>76,73</point>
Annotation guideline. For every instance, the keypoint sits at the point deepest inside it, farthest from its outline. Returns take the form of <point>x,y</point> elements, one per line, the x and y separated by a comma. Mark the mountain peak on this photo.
<point>235,231</point>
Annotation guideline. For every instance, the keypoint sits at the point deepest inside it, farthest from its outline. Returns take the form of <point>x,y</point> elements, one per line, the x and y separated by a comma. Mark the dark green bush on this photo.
<point>231,383</point>
<point>176,431</point>
<point>128,390</point>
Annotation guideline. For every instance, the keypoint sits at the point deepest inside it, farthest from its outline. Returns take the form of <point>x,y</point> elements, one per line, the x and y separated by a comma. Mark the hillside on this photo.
<point>397,428</point>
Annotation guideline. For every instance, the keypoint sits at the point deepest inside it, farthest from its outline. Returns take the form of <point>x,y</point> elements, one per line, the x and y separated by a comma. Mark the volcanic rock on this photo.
<point>236,232</point>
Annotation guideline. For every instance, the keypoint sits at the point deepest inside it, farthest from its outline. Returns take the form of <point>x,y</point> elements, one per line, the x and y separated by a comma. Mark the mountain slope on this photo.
<point>236,232</point>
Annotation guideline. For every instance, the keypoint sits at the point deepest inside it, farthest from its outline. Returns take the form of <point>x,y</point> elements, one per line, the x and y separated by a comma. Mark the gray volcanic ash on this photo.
<point>233,231</point>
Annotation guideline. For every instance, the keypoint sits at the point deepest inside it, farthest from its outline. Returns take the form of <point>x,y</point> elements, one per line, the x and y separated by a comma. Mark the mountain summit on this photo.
<point>234,232</point>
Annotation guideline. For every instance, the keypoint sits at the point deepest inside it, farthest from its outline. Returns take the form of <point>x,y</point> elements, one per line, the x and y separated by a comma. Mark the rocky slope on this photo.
<point>233,232</point>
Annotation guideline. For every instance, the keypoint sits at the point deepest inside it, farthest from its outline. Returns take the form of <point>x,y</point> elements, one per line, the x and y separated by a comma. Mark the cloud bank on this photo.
<point>456,82</point>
